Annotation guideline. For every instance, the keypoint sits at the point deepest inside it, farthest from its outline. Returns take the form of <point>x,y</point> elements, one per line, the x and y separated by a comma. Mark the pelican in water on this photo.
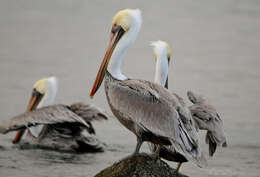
<point>204,115</point>
<point>58,127</point>
<point>147,109</point>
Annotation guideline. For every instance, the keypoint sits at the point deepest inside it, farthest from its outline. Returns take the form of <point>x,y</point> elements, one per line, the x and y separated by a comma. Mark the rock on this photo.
<point>141,165</point>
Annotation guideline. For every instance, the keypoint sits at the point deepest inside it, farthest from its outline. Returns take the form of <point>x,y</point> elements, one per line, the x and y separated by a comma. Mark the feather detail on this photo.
<point>88,112</point>
<point>46,115</point>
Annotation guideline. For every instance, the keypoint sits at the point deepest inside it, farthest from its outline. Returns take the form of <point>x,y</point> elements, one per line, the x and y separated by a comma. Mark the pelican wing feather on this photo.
<point>151,106</point>
<point>207,118</point>
<point>88,112</point>
<point>46,115</point>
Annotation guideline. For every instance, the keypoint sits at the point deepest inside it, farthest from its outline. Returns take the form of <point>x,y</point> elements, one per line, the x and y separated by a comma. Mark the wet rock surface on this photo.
<point>141,165</point>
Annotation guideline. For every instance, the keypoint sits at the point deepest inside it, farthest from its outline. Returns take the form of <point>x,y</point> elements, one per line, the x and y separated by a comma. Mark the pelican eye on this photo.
<point>36,93</point>
<point>115,28</point>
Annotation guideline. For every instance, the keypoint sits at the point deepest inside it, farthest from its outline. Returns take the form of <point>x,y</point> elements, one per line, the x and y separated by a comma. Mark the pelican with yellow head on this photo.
<point>43,94</point>
<point>145,108</point>
<point>59,127</point>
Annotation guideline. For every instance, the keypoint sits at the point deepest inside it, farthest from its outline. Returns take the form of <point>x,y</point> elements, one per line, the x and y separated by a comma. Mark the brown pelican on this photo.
<point>147,109</point>
<point>204,114</point>
<point>59,127</point>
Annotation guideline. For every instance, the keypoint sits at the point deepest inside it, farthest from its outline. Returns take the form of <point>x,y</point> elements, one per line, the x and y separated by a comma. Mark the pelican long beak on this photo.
<point>116,34</point>
<point>33,103</point>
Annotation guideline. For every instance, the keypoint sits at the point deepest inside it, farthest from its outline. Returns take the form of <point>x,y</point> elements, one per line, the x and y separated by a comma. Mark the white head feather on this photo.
<point>130,19</point>
<point>50,86</point>
<point>161,52</point>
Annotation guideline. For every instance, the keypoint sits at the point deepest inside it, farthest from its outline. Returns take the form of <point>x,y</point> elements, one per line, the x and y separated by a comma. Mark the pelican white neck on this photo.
<point>114,66</point>
<point>161,69</point>
<point>50,94</point>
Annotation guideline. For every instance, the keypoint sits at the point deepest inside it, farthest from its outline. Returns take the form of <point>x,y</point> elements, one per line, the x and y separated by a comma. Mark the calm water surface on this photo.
<point>215,51</point>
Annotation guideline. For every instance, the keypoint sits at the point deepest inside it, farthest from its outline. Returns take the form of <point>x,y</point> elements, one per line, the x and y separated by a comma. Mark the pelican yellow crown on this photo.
<point>123,18</point>
<point>161,44</point>
<point>40,85</point>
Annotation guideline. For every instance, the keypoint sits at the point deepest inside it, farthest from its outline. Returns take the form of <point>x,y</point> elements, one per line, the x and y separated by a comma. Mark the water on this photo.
<point>215,51</point>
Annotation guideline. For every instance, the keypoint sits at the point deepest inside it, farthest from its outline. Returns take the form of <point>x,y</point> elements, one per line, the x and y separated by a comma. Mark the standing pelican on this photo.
<point>204,114</point>
<point>147,109</point>
<point>58,127</point>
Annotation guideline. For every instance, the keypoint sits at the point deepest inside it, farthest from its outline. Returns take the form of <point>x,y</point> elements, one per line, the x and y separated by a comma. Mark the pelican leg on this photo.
<point>138,146</point>
<point>156,153</point>
<point>136,152</point>
<point>178,167</point>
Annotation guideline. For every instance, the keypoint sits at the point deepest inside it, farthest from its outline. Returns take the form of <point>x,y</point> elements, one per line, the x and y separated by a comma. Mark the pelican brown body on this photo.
<point>155,115</point>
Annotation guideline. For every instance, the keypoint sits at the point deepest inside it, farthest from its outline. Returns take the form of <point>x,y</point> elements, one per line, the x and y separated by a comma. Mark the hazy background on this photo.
<point>215,52</point>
